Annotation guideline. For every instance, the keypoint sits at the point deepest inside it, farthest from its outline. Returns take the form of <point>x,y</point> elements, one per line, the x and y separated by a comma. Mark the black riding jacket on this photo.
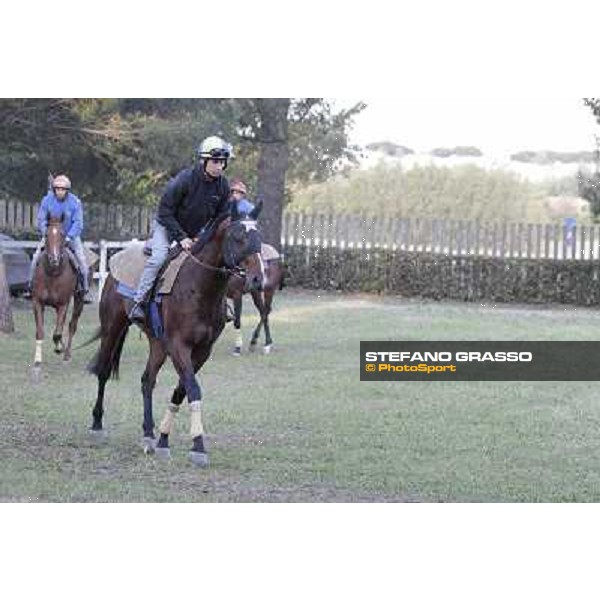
<point>190,201</point>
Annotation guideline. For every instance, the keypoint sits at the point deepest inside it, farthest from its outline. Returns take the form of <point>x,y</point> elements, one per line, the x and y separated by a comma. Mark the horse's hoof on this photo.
<point>162,452</point>
<point>200,459</point>
<point>148,445</point>
<point>36,373</point>
<point>252,347</point>
<point>267,349</point>
<point>67,358</point>
<point>57,351</point>
<point>97,436</point>
<point>237,352</point>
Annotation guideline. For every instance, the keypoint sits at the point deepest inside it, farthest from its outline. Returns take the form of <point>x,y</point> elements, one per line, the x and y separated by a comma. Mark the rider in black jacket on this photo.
<point>194,197</point>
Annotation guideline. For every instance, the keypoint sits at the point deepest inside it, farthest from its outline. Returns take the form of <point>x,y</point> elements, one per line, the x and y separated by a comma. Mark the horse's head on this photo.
<point>241,247</point>
<point>55,242</point>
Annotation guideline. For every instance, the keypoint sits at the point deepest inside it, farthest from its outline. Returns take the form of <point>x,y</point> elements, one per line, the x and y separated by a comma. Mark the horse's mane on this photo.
<point>209,232</point>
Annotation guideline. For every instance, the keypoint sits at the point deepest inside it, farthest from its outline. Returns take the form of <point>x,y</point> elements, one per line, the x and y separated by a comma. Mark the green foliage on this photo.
<point>594,105</point>
<point>441,277</point>
<point>589,188</point>
<point>548,157</point>
<point>390,149</point>
<point>456,151</point>
<point>464,192</point>
<point>125,150</point>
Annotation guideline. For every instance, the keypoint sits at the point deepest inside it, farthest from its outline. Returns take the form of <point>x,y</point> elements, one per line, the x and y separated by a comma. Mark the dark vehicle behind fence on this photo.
<point>17,263</point>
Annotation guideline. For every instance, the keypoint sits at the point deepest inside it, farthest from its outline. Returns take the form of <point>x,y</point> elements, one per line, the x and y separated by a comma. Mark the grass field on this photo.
<point>298,425</point>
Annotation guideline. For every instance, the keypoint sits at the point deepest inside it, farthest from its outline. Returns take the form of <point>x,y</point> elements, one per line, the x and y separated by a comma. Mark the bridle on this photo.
<point>235,271</point>
<point>228,271</point>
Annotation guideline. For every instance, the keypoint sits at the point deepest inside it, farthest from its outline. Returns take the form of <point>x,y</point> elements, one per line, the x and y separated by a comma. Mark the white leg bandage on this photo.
<point>196,428</point>
<point>238,340</point>
<point>38,351</point>
<point>167,423</point>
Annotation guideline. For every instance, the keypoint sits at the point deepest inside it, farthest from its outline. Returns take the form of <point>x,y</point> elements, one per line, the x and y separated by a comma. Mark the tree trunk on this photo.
<point>272,164</point>
<point>6,318</point>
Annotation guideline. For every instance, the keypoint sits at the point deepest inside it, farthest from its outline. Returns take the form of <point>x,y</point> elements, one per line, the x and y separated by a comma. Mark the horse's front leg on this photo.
<point>61,317</point>
<point>166,425</point>
<point>38,311</point>
<point>156,360</point>
<point>186,367</point>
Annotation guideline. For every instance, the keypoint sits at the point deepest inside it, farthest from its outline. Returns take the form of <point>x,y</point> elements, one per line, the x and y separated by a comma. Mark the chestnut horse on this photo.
<point>263,300</point>
<point>193,318</point>
<point>54,284</point>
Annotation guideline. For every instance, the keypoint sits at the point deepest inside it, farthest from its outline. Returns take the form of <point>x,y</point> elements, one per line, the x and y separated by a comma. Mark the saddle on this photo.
<point>268,253</point>
<point>127,267</point>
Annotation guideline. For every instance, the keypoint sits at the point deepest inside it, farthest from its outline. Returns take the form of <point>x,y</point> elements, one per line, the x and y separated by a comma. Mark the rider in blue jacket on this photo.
<point>61,202</point>
<point>239,194</point>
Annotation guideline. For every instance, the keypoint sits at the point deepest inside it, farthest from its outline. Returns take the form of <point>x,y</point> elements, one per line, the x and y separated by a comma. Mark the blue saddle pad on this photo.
<point>156,324</point>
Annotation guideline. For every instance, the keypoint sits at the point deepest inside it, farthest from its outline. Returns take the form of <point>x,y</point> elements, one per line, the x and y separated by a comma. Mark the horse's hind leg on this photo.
<point>61,317</point>
<point>237,324</point>
<point>257,298</point>
<point>114,326</point>
<point>77,310</point>
<point>268,296</point>
<point>156,360</point>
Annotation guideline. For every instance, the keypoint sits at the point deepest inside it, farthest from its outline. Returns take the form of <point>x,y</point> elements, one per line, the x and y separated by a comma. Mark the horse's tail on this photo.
<point>114,326</point>
<point>105,362</point>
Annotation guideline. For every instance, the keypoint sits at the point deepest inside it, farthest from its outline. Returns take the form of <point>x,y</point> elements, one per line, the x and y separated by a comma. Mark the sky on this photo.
<point>497,126</point>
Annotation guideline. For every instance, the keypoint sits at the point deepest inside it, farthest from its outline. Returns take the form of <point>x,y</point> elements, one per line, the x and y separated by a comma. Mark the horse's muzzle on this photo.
<point>54,261</point>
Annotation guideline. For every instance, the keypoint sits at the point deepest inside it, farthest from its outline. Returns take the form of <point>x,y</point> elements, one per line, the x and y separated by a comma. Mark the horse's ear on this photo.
<point>256,211</point>
<point>235,214</point>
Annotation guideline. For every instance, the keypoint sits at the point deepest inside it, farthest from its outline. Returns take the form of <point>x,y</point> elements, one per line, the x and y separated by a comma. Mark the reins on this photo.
<point>235,271</point>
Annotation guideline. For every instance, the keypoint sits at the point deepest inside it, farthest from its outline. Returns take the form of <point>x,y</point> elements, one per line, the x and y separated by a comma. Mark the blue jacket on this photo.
<point>70,207</point>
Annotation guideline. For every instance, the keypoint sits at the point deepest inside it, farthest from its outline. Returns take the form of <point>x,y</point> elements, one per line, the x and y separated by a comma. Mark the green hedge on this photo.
<point>468,278</point>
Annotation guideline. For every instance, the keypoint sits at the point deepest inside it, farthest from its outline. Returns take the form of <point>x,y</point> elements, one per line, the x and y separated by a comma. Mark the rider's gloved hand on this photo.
<point>186,244</point>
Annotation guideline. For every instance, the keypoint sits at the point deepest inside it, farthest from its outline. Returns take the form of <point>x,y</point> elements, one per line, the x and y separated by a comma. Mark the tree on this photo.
<point>78,136</point>
<point>124,150</point>
<point>299,141</point>
<point>272,135</point>
<point>6,318</point>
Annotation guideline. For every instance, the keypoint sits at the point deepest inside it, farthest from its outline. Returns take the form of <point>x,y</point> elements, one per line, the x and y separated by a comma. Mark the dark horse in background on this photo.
<point>193,318</point>
<point>54,284</point>
<point>263,300</point>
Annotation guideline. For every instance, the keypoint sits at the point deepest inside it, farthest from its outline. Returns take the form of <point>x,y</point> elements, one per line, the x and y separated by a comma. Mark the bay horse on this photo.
<point>263,300</point>
<point>193,318</point>
<point>54,284</point>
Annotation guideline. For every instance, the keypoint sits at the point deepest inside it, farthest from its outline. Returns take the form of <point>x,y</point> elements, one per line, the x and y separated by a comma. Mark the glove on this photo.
<point>186,244</point>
